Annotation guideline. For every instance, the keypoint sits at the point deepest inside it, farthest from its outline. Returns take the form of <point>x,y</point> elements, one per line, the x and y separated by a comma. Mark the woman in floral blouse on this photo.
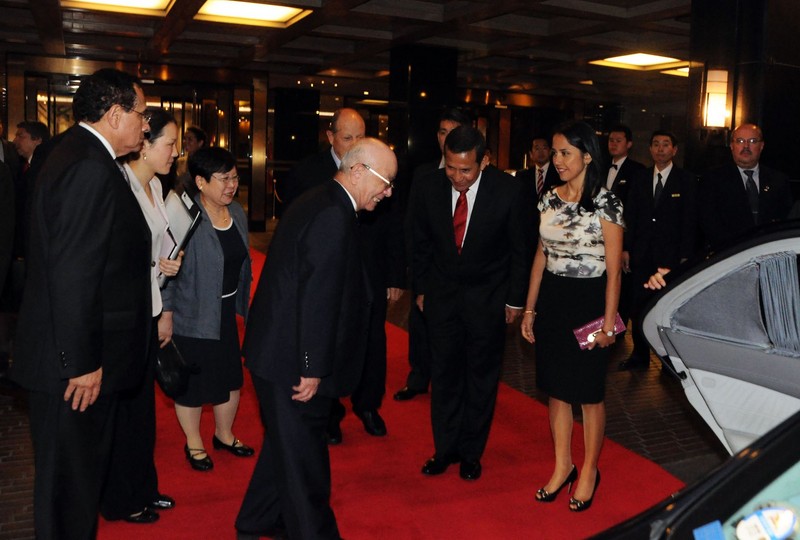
<point>575,279</point>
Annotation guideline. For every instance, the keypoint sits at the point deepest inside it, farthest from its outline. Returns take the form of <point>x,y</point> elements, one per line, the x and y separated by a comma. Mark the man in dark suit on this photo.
<point>661,220</point>
<point>381,241</point>
<point>469,270</point>
<point>346,128</point>
<point>8,154</point>
<point>28,137</point>
<point>419,350</point>
<point>728,207</point>
<point>305,343</point>
<point>622,172</point>
<point>536,180</point>
<point>540,175</point>
<point>84,322</point>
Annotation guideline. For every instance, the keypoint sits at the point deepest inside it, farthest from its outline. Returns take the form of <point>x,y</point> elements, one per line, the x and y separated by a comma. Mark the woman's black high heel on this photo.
<point>542,495</point>
<point>579,506</point>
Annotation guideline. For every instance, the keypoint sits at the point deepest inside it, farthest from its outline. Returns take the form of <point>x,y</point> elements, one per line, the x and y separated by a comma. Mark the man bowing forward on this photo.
<point>304,344</point>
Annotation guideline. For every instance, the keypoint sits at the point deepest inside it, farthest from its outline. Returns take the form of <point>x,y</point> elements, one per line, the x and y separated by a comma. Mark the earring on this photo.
<point>144,156</point>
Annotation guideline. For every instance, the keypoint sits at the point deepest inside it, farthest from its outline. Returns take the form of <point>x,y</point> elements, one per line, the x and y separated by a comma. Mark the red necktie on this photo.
<point>25,166</point>
<point>460,219</point>
<point>540,181</point>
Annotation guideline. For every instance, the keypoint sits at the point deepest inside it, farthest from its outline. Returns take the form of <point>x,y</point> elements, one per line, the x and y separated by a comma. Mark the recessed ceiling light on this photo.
<point>641,62</point>
<point>641,59</point>
<point>157,8</point>
<point>680,72</point>
<point>250,13</point>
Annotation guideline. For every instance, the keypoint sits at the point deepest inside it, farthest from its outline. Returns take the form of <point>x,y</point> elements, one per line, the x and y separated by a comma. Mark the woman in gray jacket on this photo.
<point>202,303</point>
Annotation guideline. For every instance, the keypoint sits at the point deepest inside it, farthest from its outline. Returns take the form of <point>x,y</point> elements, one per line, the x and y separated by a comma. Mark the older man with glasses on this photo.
<point>84,324</point>
<point>305,343</point>
<point>742,194</point>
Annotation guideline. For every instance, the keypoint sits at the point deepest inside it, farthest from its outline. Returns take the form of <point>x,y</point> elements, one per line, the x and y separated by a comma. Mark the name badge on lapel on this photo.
<point>675,195</point>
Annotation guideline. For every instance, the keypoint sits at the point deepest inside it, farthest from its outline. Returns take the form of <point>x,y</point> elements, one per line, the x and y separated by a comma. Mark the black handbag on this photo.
<point>172,371</point>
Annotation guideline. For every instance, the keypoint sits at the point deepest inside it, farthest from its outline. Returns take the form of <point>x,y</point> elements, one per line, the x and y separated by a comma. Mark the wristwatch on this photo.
<point>610,333</point>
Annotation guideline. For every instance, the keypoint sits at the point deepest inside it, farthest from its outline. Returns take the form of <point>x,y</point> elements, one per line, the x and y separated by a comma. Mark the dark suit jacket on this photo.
<point>312,303</point>
<point>627,174</point>
<point>528,179</point>
<point>11,158</point>
<point>491,270</point>
<point>725,210</point>
<point>312,171</point>
<point>86,303</point>
<point>661,235</point>
<point>7,218</point>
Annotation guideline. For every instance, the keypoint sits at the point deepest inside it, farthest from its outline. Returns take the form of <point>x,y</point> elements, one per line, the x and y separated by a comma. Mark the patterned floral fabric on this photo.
<point>573,238</point>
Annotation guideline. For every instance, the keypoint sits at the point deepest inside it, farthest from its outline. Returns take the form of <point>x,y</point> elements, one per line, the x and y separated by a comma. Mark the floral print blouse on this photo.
<point>573,238</point>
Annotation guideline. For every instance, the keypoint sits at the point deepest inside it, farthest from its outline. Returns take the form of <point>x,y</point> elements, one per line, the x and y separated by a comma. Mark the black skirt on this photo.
<point>563,370</point>
<point>219,361</point>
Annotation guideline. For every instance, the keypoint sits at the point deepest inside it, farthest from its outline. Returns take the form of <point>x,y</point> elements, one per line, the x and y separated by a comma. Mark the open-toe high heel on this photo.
<point>576,505</point>
<point>542,495</point>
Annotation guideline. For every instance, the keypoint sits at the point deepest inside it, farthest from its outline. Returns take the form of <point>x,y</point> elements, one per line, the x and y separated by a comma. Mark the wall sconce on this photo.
<point>716,102</point>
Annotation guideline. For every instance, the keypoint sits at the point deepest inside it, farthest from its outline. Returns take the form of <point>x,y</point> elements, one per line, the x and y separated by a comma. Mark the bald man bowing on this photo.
<point>305,342</point>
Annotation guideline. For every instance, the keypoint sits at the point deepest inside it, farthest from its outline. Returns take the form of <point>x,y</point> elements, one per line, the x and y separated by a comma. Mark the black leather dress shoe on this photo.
<point>145,516</point>
<point>406,393</point>
<point>470,470</point>
<point>277,533</point>
<point>237,448</point>
<point>437,465</point>
<point>373,423</point>
<point>334,432</point>
<point>634,363</point>
<point>161,502</point>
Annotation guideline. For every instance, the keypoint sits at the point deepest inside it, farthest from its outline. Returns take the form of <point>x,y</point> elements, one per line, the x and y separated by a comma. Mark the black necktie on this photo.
<point>659,187</point>
<point>752,194</point>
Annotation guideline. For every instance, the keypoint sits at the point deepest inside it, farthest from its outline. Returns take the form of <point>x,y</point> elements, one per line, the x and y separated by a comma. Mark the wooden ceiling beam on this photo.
<point>49,25</point>
<point>179,16</point>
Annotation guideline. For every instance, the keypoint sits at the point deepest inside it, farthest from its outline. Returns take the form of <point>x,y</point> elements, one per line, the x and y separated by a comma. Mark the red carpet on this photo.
<point>378,491</point>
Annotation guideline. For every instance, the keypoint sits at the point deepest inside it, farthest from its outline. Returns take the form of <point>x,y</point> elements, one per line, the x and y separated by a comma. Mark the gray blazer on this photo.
<point>195,294</point>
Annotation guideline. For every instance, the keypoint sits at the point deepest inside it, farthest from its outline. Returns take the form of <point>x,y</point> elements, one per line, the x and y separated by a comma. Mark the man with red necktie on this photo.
<point>469,270</point>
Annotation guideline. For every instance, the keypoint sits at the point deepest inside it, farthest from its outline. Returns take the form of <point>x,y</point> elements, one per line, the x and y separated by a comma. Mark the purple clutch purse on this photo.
<point>586,333</point>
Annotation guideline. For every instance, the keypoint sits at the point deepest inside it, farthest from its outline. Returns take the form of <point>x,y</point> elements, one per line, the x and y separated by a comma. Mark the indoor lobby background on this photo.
<point>267,92</point>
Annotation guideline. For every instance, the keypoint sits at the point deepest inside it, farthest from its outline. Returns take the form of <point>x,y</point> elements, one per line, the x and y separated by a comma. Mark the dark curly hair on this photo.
<point>100,91</point>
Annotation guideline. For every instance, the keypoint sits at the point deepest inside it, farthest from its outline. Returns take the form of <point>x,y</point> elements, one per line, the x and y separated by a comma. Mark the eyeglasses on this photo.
<point>751,140</point>
<point>227,180</point>
<point>379,175</point>
<point>146,116</point>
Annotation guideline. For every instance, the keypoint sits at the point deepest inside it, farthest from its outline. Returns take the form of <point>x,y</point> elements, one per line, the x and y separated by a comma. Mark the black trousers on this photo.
<point>419,350</point>
<point>368,395</point>
<point>132,481</point>
<point>291,482</point>
<point>71,451</point>
<point>640,297</point>
<point>465,373</point>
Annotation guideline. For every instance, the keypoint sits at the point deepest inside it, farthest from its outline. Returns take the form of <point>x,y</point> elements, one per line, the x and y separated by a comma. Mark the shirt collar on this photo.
<point>103,140</point>
<point>664,172</point>
<point>352,200</point>
<point>620,162</point>
<point>336,159</point>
